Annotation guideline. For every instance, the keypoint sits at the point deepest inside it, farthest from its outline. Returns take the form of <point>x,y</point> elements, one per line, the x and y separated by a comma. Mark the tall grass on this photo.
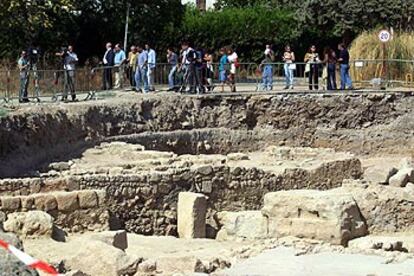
<point>368,47</point>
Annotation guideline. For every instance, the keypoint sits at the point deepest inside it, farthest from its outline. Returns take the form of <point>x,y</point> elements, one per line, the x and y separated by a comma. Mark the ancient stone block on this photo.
<point>207,187</point>
<point>27,203</point>
<point>32,223</point>
<point>192,209</point>
<point>87,199</point>
<point>406,162</point>
<point>111,260</point>
<point>237,156</point>
<point>379,174</point>
<point>35,186</point>
<point>101,195</point>
<point>330,216</point>
<point>117,239</point>
<point>386,243</point>
<point>45,202</point>
<point>50,203</point>
<point>245,224</point>
<point>67,201</point>
<point>72,184</point>
<point>205,170</point>
<point>148,266</point>
<point>402,177</point>
<point>55,184</point>
<point>172,265</point>
<point>10,203</point>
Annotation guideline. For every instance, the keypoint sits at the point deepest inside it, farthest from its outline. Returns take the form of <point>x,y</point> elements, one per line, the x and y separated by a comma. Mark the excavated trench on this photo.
<point>40,142</point>
<point>362,124</point>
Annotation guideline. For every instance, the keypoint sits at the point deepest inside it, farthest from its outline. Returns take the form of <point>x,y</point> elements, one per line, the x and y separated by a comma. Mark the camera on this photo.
<point>64,52</point>
<point>33,55</point>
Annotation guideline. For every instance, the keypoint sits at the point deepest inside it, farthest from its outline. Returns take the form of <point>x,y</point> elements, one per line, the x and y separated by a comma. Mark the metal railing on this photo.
<point>48,85</point>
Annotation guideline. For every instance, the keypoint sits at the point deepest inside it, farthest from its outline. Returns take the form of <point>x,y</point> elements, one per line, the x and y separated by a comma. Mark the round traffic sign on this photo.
<point>384,36</point>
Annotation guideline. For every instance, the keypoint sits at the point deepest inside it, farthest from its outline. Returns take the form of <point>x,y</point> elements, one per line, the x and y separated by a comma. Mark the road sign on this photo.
<point>384,36</point>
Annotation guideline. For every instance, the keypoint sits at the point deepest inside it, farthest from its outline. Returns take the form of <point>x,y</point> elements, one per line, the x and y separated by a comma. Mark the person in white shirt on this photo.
<point>152,62</point>
<point>70,59</point>
<point>188,58</point>
<point>232,57</point>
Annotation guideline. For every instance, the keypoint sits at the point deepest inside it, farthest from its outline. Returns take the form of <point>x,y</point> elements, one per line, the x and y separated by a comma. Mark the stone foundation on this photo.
<point>72,211</point>
<point>143,185</point>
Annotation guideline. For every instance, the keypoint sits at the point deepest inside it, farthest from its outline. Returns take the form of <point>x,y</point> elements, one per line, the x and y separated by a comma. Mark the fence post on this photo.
<point>8,86</point>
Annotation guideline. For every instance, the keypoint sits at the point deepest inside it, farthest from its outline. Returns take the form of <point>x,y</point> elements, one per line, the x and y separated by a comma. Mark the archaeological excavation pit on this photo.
<point>122,165</point>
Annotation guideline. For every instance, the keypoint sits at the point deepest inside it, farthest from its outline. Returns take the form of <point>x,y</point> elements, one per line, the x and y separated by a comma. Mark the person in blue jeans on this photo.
<point>330,62</point>
<point>289,59</point>
<point>172,58</point>
<point>223,68</point>
<point>141,75</point>
<point>346,82</point>
<point>267,72</point>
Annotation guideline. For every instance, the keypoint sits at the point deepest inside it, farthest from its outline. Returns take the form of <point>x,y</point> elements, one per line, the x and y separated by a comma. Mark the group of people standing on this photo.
<point>140,71</point>
<point>329,62</point>
<point>192,69</point>
<point>313,64</point>
<point>26,63</point>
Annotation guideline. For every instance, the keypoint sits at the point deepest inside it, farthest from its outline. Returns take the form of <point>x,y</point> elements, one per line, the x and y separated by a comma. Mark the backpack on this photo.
<point>236,63</point>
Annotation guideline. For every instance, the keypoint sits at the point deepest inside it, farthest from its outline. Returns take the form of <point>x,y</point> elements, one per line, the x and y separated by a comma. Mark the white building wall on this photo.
<point>210,3</point>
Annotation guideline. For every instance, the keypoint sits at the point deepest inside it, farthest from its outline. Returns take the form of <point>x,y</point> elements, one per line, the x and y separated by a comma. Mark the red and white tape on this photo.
<point>28,260</point>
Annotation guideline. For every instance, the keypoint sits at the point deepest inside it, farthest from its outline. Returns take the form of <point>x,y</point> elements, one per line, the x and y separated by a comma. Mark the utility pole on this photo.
<point>126,28</point>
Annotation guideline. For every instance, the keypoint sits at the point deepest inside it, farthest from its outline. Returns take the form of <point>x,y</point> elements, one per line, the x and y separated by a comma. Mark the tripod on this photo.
<point>33,68</point>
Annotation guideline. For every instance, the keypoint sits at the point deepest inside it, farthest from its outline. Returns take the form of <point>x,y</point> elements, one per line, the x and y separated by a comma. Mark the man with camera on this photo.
<point>24,68</point>
<point>69,65</point>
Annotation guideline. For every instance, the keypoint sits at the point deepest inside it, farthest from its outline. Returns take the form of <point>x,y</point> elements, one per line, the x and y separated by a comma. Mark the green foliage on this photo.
<point>247,29</point>
<point>31,22</point>
<point>354,16</point>
<point>246,24</point>
<point>339,17</point>
<point>87,24</point>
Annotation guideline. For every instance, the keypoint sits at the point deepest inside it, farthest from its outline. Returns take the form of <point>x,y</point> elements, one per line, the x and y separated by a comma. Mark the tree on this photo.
<point>87,24</point>
<point>247,29</point>
<point>25,23</point>
<point>338,17</point>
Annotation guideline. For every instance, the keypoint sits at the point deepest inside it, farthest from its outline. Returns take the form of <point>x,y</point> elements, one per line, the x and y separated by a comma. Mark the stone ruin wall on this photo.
<point>147,204</point>
<point>339,122</point>
<point>75,211</point>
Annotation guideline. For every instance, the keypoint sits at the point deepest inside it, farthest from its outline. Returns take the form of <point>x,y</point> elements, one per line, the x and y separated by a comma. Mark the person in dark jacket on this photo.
<point>346,81</point>
<point>108,62</point>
